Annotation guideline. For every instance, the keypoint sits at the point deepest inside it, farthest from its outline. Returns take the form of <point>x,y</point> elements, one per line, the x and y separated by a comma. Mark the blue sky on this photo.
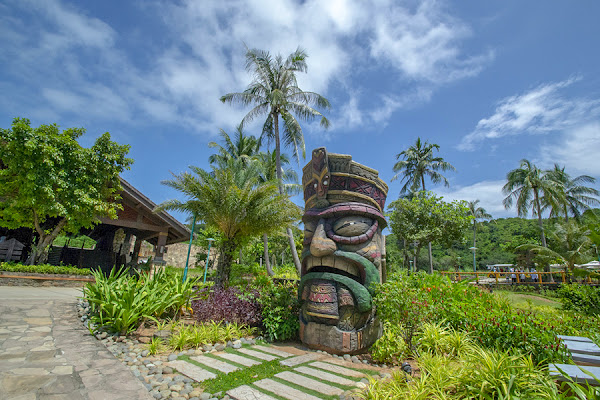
<point>490,82</point>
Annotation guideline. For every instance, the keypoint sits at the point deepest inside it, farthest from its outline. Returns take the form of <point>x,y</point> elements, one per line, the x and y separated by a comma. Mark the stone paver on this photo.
<point>292,362</point>
<point>190,370</point>
<point>246,362</point>
<point>309,383</point>
<point>245,392</point>
<point>575,373</point>
<point>582,347</point>
<point>215,364</point>
<point>326,376</point>
<point>575,338</point>
<point>257,354</point>
<point>283,390</point>
<point>46,353</point>
<point>337,369</point>
<point>273,350</point>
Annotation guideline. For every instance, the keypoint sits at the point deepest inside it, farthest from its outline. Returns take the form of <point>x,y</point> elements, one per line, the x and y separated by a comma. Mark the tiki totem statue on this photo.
<point>343,254</point>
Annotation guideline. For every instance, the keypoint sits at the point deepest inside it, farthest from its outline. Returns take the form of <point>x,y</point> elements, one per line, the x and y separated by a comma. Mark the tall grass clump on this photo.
<point>121,302</point>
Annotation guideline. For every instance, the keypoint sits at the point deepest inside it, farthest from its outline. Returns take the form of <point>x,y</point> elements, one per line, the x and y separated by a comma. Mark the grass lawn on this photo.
<point>522,300</point>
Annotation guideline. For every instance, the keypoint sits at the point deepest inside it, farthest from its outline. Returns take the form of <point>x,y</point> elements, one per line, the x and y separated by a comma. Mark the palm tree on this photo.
<point>478,213</point>
<point>528,186</point>
<point>570,245</point>
<point>419,162</point>
<point>242,147</point>
<point>268,172</point>
<point>576,197</point>
<point>274,91</point>
<point>230,200</point>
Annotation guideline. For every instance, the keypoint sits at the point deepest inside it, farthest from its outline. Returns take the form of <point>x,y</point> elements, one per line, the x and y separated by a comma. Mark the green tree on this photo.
<point>477,213</point>
<point>419,162</point>
<point>231,200</point>
<point>274,91</point>
<point>574,196</point>
<point>527,186</point>
<point>50,183</point>
<point>427,218</point>
<point>240,147</point>
<point>268,172</point>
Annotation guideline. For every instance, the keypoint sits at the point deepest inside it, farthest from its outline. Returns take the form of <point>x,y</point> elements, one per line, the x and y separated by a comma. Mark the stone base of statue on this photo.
<point>335,341</point>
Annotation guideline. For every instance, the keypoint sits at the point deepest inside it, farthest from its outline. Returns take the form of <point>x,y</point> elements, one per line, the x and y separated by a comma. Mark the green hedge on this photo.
<point>44,269</point>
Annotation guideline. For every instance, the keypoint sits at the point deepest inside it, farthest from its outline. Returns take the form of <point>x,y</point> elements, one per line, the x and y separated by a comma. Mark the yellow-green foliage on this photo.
<point>477,373</point>
<point>193,336</point>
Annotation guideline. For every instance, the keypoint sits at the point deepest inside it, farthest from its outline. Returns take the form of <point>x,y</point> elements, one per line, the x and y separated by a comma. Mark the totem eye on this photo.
<point>325,182</point>
<point>315,185</point>
<point>351,226</point>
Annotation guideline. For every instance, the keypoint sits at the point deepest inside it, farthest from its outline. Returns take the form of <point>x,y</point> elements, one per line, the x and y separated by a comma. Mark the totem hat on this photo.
<point>330,179</point>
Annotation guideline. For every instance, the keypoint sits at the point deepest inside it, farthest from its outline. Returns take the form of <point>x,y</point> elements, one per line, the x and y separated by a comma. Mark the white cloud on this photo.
<point>488,192</point>
<point>201,56</point>
<point>577,149</point>
<point>424,44</point>
<point>540,110</point>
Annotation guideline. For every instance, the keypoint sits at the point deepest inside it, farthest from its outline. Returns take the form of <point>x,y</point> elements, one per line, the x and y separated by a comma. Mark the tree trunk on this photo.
<point>541,224</point>
<point>224,266</point>
<point>40,254</point>
<point>266,255</point>
<point>280,183</point>
<point>539,214</point>
<point>430,259</point>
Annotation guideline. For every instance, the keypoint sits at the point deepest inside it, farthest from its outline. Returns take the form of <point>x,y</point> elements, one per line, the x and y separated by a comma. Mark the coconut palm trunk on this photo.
<point>266,255</point>
<point>290,234</point>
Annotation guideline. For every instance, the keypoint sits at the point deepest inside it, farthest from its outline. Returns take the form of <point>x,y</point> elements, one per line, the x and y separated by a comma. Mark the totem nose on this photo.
<point>321,245</point>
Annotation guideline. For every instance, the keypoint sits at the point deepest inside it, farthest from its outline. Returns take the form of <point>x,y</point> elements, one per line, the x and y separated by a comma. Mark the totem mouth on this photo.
<point>335,265</point>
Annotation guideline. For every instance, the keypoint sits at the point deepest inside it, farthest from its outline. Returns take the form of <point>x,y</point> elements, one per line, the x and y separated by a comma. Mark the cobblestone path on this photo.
<point>46,354</point>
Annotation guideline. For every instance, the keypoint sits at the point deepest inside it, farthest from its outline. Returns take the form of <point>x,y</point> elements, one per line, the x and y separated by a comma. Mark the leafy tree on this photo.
<point>427,218</point>
<point>574,197</point>
<point>230,200</point>
<point>52,184</point>
<point>274,91</point>
<point>477,213</point>
<point>419,162</point>
<point>526,186</point>
<point>240,147</point>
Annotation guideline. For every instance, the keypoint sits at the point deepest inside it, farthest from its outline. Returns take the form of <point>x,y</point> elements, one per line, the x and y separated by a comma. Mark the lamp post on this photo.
<point>474,249</point>
<point>210,240</point>
<point>597,254</point>
<point>185,270</point>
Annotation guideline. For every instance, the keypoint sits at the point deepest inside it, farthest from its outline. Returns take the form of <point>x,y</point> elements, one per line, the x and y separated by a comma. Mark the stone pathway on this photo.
<point>46,354</point>
<point>319,374</point>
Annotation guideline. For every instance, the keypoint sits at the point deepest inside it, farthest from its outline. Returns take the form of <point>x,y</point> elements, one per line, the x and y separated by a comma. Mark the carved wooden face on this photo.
<point>343,255</point>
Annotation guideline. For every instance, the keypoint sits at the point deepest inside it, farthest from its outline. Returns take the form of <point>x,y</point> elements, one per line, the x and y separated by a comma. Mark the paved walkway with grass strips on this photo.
<point>272,372</point>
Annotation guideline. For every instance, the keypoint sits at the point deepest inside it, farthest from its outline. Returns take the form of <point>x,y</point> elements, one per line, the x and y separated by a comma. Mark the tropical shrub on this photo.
<point>582,298</point>
<point>489,319</point>
<point>229,305</point>
<point>390,347</point>
<point>44,269</point>
<point>280,309</point>
<point>121,302</point>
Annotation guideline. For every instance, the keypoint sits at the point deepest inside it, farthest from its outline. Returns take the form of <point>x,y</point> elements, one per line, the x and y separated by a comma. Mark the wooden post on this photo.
<point>563,277</point>
<point>496,278</point>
